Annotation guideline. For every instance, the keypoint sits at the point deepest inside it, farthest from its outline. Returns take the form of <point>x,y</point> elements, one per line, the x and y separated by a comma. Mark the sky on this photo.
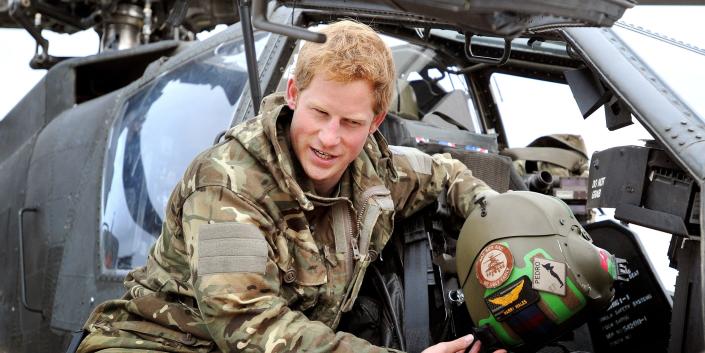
<point>684,23</point>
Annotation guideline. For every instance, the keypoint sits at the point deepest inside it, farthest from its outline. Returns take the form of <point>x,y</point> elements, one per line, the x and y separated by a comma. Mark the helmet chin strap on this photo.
<point>466,279</point>
<point>490,343</point>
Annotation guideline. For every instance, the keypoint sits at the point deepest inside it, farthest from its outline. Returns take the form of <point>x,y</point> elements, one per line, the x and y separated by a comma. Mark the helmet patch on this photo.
<point>511,299</point>
<point>494,265</point>
<point>604,258</point>
<point>548,276</point>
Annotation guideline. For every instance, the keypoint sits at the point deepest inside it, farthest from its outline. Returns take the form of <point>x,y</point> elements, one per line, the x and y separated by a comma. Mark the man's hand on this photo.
<point>457,346</point>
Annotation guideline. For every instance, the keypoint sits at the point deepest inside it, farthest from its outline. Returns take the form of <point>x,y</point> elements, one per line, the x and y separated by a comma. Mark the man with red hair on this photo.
<point>268,235</point>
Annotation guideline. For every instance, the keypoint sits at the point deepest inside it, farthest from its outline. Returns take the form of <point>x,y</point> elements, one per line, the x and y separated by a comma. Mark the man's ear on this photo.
<point>292,93</point>
<point>377,121</point>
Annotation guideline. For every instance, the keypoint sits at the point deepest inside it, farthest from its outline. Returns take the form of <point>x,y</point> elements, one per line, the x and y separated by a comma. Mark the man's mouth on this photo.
<point>322,154</point>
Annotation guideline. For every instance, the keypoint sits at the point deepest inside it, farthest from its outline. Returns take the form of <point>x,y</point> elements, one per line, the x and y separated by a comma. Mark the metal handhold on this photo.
<point>456,297</point>
<point>498,61</point>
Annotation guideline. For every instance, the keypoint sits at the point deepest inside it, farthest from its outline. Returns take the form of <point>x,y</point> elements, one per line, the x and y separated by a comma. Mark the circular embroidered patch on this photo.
<point>494,265</point>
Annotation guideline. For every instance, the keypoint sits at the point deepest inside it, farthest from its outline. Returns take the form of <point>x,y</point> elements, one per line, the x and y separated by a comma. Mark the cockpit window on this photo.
<point>532,108</point>
<point>427,85</point>
<point>160,130</point>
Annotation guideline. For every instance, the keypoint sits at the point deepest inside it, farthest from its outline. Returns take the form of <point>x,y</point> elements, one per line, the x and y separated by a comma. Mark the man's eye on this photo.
<point>319,111</point>
<point>354,122</point>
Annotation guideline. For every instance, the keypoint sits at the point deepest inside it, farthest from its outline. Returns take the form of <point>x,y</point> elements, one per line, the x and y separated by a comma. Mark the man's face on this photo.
<point>330,125</point>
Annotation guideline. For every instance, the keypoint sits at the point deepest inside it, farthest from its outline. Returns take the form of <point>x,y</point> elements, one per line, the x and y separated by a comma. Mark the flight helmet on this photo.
<point>529,271</point>
<point>565,141</point>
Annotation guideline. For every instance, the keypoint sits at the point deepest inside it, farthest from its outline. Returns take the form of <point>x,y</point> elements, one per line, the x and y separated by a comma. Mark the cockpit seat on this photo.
<point>452,112</point>
<point>493,169</point>
<point>404,101</point>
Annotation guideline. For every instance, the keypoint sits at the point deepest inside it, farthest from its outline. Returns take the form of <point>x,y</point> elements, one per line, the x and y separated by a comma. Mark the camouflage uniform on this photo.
<point>239,266</point>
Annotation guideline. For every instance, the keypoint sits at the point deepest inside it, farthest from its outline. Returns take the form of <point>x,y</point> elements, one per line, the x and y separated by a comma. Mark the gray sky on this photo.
<point>16,77</point>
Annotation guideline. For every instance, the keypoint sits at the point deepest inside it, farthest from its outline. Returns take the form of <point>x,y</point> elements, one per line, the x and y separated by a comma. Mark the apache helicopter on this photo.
<point>89,156</point>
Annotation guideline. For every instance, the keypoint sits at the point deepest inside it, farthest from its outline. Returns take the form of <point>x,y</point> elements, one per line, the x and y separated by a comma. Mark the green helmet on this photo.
<point>529,271</point>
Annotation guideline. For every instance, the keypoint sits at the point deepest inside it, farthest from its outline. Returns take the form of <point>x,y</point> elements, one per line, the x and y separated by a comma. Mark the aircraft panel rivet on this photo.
<point>562,221</point>
<point>683,122</point>
<point>681,143</point>
<point>674,136</point>
<point>698,137</point>
<point>690,129</point>
<point>92,300</point>
<point>668,129</point>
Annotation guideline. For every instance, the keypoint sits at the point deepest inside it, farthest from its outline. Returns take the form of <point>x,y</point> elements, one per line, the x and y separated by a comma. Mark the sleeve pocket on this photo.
<point>231,247</point>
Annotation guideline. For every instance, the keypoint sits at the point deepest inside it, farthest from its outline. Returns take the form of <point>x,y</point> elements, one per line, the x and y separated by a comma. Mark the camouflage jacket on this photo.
<point>238,267</point>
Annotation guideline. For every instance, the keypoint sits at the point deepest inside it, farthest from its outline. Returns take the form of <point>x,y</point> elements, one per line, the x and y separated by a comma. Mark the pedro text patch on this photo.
<point>548,276</point>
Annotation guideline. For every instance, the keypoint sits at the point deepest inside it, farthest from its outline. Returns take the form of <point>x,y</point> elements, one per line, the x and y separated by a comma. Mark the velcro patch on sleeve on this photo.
<point>420,162</point>
<point>231,247</point>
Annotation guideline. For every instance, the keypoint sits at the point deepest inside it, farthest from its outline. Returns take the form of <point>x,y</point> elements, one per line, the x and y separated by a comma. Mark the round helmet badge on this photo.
<point>494,265</point>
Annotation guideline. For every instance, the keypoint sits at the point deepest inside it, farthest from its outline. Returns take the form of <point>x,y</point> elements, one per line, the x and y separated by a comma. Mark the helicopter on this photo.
<point>89,157</point>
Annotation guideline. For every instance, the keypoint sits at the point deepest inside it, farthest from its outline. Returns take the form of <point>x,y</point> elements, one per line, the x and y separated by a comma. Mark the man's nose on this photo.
<point>330,132</point>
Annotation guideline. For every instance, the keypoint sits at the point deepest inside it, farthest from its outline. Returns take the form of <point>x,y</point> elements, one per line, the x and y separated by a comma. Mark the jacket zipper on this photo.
<point>366,195</point>
<point>351,244</point>
<point>377,190</point>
